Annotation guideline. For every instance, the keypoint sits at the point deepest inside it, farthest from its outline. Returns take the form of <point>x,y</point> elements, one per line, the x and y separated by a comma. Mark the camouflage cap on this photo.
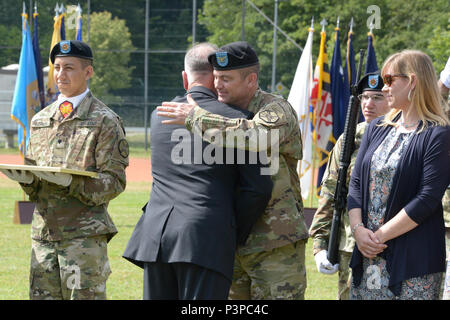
<point>71,48</point>
<point>371,82</point>
<point>235,55</point>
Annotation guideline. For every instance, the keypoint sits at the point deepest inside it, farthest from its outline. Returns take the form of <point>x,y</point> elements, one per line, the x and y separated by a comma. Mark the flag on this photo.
<point>371,61</point>
<point>300,100</point>
<point>26,98</point>
<point>340,91</point>
<point>37,58</point>
<point>78,24</point>
<point>52,89</point>
<point>323,113</point>
<point>62,24</point>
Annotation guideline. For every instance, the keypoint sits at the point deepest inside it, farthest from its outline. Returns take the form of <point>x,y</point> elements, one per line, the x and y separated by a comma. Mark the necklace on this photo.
<point>405,125</point>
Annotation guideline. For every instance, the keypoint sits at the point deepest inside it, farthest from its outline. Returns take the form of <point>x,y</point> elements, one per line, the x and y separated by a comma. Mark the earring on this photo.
<point>409,95</point>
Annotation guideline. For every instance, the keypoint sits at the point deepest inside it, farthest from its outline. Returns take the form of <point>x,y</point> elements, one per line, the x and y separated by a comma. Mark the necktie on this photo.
<point>65,108</point>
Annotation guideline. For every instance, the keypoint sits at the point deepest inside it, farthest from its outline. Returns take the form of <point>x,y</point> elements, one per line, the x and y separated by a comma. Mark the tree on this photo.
<point>403,24</point>
<point>438,47</point>
<point>11,36</point>
<point>110,41</point>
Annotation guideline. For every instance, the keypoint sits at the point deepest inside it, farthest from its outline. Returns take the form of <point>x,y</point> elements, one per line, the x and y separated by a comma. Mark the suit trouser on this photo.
<point>183,281</point>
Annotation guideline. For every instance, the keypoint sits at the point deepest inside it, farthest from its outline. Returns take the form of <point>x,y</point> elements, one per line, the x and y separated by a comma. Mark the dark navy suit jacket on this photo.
<point>197,210</point>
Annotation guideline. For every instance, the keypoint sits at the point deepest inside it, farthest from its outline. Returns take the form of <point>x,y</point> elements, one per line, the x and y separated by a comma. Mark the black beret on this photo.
<point>371,82</point>
<point>235,55</point>
<point>71,48</point>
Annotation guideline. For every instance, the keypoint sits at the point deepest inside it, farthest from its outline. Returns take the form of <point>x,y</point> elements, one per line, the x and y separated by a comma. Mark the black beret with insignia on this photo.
<point>235,55</point>
<point>71,48</point>
<point>371,82</point>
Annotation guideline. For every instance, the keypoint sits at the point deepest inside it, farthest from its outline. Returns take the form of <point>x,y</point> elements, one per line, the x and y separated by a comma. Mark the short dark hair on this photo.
<point>246,71</point>
<point>86,63</point>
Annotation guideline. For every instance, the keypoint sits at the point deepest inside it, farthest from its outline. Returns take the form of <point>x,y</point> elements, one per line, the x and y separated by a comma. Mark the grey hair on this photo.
<point>196,58</point>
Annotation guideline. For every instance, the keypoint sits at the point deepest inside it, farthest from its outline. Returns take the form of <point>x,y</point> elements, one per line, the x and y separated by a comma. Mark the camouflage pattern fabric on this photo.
<point>446,205</point>
<point>270,275</point>
<point>345,275</point>
<point>321,224</point>
<point>74,269</point>
<point>92,138</point>
<point>283,221</point>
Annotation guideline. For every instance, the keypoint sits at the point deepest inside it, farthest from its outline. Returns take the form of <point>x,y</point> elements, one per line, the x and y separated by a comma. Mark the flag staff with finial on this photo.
<point>323,23</point>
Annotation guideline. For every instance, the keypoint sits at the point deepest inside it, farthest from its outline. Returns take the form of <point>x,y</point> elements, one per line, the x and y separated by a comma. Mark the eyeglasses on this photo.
<point>389,78</point>
<point>375,97</point>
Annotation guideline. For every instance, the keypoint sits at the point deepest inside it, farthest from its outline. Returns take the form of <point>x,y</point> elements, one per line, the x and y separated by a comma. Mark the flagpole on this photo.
<point>24,13</point>
<point>313,188</point>
<point>313,151</point>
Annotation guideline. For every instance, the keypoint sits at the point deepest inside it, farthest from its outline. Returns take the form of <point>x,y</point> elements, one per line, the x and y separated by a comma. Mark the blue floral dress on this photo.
<point>375,279</point>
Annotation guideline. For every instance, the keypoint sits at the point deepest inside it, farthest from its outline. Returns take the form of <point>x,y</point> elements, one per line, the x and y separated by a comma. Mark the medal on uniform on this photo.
<point>65,108</point>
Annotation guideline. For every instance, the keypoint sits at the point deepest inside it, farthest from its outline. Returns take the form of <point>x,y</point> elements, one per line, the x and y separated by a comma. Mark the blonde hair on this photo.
<point>425,97</point>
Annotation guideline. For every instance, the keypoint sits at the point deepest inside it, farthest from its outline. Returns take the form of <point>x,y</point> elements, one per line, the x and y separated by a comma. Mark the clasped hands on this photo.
<point>26,177</point>
<point>369,243</point>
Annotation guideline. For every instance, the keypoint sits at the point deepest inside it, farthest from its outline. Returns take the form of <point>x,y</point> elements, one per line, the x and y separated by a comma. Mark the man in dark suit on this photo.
<point>198,211</point>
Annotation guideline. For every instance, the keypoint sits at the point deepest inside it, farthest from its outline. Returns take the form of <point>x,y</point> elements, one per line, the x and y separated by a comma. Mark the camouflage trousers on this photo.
<point>345,274</point>
<point>269,275</point>
<point>74,269</point>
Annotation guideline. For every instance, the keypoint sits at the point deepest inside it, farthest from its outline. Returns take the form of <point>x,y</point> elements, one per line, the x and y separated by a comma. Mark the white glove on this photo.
<point>21,176</point>
<point>323,265</point>
<point>63,179</point>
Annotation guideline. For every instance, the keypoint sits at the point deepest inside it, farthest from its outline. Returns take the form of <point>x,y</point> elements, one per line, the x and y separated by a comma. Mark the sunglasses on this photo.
<point>389,78</point>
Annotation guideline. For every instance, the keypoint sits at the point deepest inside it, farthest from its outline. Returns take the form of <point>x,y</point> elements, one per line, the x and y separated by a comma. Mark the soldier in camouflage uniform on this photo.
<point>373,105</point>
<point>271,264</point>
<point>71,225</point>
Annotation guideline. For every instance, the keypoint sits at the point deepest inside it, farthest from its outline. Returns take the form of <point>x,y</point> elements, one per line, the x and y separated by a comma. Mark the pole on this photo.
<point>194,20</point>
<point>89,22</point>
<point>274,54</point>
<point>146,71</point>
<point>243,21</point>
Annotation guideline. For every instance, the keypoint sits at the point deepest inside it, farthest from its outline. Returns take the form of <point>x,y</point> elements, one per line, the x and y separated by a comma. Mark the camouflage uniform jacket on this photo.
<point>321,224</point>
<point>283,220</point>
<point>92,138</point>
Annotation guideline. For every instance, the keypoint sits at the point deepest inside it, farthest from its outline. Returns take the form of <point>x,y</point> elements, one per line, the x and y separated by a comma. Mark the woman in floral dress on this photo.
<point>395,192</point>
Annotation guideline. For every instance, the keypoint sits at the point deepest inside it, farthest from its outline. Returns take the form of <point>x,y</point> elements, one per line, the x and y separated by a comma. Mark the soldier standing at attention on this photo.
<point>271,264</point>
<point>71,225</point>
<point>373,105</point>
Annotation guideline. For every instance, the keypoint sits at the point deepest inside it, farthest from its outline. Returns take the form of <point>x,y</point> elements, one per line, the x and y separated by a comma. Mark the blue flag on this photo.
<point>371,61</point>
<point>78,27</point>
<point>26,98</point>
<point>63,29</point>
<point>340,92</point>
<point>37,58</point>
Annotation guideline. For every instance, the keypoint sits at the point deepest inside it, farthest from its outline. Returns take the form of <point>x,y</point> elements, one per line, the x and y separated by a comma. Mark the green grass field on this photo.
<point>125,281</point>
